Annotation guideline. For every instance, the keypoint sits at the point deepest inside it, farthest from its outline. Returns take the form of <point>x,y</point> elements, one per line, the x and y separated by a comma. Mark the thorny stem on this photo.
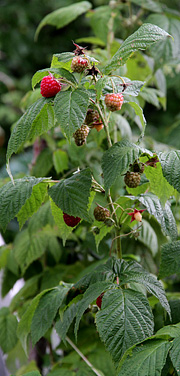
<point>82,356</point>
<point>120,236</point>
<point>105,123</point>
<point>118,240</point>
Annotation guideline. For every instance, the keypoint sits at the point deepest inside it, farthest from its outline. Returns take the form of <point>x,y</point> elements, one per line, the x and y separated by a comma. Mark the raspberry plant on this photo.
<point>112,293</point>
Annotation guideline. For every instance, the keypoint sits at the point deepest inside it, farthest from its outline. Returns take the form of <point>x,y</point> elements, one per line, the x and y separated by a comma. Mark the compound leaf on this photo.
<point>117,159</point>
<point>163,215</point>
<point>8,327</point>
<point>33,203</point>
<point>37,119</point>
<point>90,295</point>
<point>13,197</point>
<point>145,359</point>
<point>170,259</point>
<point>72,195</point>
<point>70,109</point>
<point>143,38</point>
<point>125,318</point>
<point>46,311</point>
<point>63,16</point>
<point>170,162</point>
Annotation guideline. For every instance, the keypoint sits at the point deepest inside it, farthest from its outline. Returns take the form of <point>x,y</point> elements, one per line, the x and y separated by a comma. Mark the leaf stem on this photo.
<point>82,356</point>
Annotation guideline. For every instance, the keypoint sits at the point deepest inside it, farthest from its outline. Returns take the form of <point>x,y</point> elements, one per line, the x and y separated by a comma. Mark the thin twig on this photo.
<point>82,356</point>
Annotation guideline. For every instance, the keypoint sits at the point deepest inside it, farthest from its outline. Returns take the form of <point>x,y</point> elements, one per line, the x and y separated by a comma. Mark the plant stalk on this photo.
<point>82,356</point>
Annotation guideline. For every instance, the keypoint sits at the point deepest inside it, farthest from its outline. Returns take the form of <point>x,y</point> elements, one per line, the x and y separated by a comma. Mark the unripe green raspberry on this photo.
<point>132,179</point>
<point>81,134</point>
<point>101,214</point>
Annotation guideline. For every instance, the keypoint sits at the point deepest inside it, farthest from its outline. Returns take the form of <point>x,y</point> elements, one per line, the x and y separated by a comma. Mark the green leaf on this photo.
<point>151,96</point>
<point>32,204</point>
<point>65,230</point>
<point>133,272</point>
<point>170,162</point>
<point>72,195</point>
<point>46,312</point>
<point>27,248</point>
<point>62,60</point>
<point>167,50</point>
<point>43,164</point>
<point>63,16</point>
<point>37,119</point>
<point>125,318</point>
<point>117,159</point>
<point>107,84</point>
<point>151,5</point>
<point>139,112</point>
<point>143,38</point>
<point>40,219</point>
<point>145,359</point>
<point>8,327</point>
<point>30,288</point>
<point>4,252</point>
<point>60,160</point>
<point>69,315</point>
<point>163,215</point>
<point>24,325</point>
<point>99,19</point>
<point>91,40</point>
<point>158,184</point>
<point>170,259</point>
<point>38,76</point>
<point>70,109</point>
<point>13,197</point>
<point>103,230</point>
<point>174,354</point>
<point>122,124</point>
<point>172,331</point>
<point>32,373</point>
<point>148,237</point>
<point>89,296</point>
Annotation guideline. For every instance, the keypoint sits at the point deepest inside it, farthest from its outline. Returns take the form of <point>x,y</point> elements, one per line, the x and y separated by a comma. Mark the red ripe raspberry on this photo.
<point>114,101</point>
<point>78,64</point>
<point>99,300</point>
<point>49,86</point>
<point>70,220</point>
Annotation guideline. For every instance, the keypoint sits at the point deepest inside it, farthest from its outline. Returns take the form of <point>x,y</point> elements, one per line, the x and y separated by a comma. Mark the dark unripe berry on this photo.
<point>132,179</point>
<point>101,214</point>
<point>81,134</point>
